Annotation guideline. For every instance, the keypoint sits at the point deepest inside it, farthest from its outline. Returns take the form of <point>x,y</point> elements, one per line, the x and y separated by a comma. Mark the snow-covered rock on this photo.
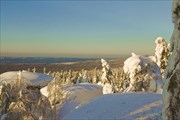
<point>36,79</point>
<point>129,106</point>
<point>142,71</point>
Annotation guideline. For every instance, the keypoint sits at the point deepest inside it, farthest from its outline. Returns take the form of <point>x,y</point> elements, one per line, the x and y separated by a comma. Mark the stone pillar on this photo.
<point>171,93</point>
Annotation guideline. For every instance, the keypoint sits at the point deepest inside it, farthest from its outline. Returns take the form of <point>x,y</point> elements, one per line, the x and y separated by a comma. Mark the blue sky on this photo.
<point>83,28</point>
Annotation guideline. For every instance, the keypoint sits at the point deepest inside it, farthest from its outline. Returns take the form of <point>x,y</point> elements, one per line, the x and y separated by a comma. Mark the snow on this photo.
<point>132,65</point>
<point>108,88</point>
<point>120,106</point>
<point>162,53</point>
<point>3,117</point>
<point>107,82</point>
<point>142,69</point>
<point>31,77</point>
<point>75,96</point>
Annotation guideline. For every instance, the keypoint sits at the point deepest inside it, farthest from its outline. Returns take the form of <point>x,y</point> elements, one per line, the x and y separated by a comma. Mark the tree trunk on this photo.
<point>171,94</point>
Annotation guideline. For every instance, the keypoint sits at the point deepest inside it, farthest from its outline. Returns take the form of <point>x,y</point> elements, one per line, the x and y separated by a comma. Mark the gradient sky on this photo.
<point>83,28</point>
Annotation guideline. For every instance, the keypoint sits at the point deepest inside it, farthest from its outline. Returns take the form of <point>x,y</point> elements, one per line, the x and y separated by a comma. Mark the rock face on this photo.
<point>171,95</point>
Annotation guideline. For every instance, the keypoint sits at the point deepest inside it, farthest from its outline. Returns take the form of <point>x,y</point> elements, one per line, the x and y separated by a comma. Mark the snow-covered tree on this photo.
<point>34,69</point>
<point>85,77</point>
<point>69,76</point>
<point>144,74</point>
<point>106,78</point>
<point>55,93</point>
<point>44,70</point>
<point>162,53</point>
<point>24,102</point>
<point>19,79</point>
<point>19,75</point>
<point>80,77</point>
<point>95,77</point>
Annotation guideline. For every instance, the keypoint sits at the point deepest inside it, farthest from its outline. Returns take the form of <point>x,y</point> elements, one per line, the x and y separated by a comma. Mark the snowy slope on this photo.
<point>32,78</point>
<point>77,95</point>
<point>120,106</point>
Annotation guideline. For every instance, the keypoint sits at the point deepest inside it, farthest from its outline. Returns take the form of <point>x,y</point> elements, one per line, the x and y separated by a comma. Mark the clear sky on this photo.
<point>83,28</point>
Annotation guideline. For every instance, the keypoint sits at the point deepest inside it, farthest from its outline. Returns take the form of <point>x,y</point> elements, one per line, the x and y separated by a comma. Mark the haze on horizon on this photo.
<point>83,28</point>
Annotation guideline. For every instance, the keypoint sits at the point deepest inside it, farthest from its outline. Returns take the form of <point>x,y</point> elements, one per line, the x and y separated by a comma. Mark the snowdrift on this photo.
<point>32,78</point>
<point>77,95</point>
<point>120,106</point>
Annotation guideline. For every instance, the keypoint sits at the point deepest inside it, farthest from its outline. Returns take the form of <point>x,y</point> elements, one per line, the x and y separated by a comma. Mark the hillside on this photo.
<point>76,66</point>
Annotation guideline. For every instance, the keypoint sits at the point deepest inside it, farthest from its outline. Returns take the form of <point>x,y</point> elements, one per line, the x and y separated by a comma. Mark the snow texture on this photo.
<point>162,53</point>
<point>143,72</point>
<point>22,101</point>
<point>106,78</point>
<point>37,79</point>
<point>120,106</point>
<point>75,96</point>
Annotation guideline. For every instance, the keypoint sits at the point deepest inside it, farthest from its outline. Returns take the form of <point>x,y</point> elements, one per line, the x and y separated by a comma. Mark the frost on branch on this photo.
<point>55,92</point>
<point>144,74</point>
<point>21,100</point>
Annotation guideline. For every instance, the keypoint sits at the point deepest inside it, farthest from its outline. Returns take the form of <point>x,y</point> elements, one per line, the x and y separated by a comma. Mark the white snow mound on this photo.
<point>120,106</point>
<point>77,95</point>
<point>38,79</point>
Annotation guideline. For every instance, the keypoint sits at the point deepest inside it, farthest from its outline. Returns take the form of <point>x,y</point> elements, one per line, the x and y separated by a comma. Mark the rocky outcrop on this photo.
<point>171,95</point>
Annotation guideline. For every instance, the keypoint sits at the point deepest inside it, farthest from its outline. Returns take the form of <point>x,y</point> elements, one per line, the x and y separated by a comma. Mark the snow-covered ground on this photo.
<point>32,78</point>
<point>85,101</point>
<point>120,106</point>
<point>77,95</point>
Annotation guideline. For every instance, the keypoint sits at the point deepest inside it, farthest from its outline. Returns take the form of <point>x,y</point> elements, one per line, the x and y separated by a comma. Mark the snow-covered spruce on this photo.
<point>106,78</point>
<point>20,97</point>
<point>83,77</point>
<point>54,92</point>
<point>144,74</point>
<point>162,53</point>
<point>94,76</point>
